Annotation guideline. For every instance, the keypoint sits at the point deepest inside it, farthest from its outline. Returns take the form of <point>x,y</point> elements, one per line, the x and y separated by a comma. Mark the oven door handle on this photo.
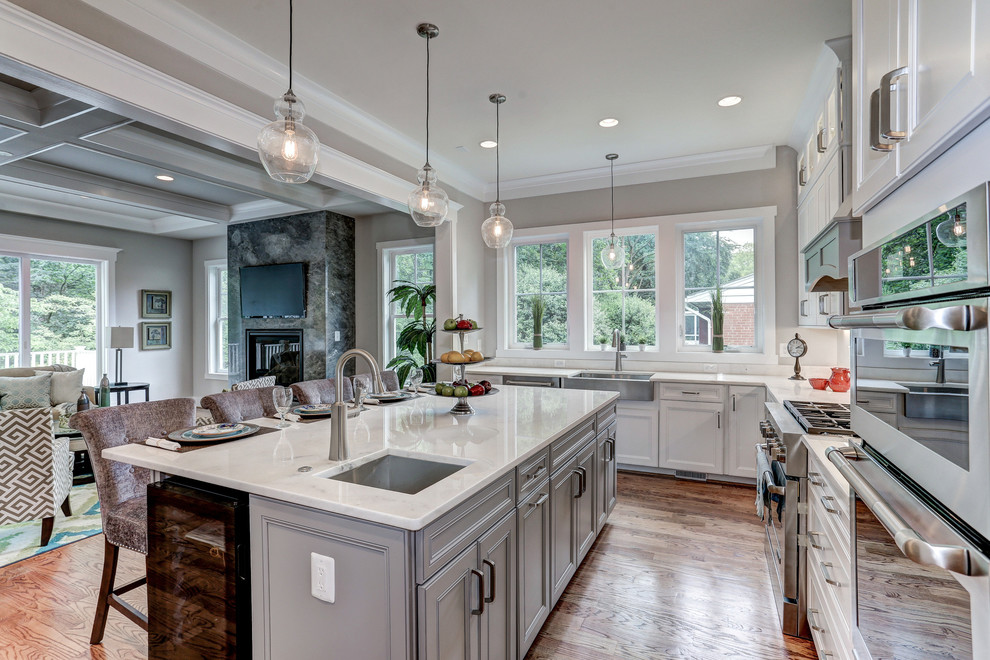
<point>954,558</point>
<point>766,474</point>
<point>958,317</point>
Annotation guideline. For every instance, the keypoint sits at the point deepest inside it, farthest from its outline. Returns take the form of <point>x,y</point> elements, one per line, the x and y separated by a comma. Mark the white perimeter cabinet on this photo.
<point>921,80</point>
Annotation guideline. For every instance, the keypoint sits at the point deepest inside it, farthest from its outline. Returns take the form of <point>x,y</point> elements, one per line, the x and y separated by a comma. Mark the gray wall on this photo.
<point>325,242</point>
<point>144,262</point>
<point>712,193</point>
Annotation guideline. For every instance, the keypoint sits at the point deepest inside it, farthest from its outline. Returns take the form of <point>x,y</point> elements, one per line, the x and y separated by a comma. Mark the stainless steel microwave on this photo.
<point>942,254</point>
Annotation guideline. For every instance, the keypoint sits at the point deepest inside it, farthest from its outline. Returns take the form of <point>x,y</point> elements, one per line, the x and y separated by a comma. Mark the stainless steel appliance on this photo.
<point>782,467</point>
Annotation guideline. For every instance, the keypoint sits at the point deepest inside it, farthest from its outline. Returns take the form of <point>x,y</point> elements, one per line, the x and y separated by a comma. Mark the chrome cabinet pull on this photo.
<point>540,500</point>
<point>961,318</point>
<point>954,558</point>
<point>875,142</point>
<point>824,499</point>
<point>733,403</point>
<point>815,482</point>
<point>813,544</point>
<point>718,420</point>
<point>823,306</point>
<point>813,620</point>
<point>481,592</point>
<point>610,454</point>
<point>691,393</point>
<point>490,598</point>
<point>803,176</point>
<point>528,383</point>
<point>887,84</point>
<point>825,575</point>
<point>821,141</point>
<point>537,472</point>
<point>575,473</point>
<point>583,474</point>
<point>804,307</point>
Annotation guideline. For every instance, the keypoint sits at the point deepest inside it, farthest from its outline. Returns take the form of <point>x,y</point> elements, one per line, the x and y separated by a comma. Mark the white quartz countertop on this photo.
<point>817,444</point>
<point>779,388</point>
<point>509,427</point>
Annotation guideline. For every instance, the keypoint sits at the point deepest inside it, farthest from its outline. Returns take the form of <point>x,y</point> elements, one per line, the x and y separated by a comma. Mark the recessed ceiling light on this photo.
<point>608,122</point>
<point>488,144</point>
<point>165,177</point>
<point>730,101</point>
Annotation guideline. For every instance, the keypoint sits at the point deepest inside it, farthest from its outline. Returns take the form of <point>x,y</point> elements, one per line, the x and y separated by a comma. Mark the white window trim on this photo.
<point>385,251</point>
<point>510,315</point>
<point>763,244</point>
<point>105,260</point>
<point>579,286</point>
<point>212,266</point>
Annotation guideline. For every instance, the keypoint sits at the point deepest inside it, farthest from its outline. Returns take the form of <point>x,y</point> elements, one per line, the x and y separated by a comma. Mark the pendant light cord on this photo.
<point>611,187</point>
<point>428,39</point>
<point>290,45</point>
<point>498,179</point>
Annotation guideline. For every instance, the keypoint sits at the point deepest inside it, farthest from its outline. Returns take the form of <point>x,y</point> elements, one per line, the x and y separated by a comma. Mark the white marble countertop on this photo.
<point>509,427</point>
<point>817,444</point>
<point>779,388</point>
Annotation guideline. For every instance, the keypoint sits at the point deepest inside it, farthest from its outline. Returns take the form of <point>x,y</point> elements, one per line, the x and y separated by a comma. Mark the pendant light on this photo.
<point>288,149</point>
<point>952,231</point>
<point>613,254</point>
<point>428,203</point>
<point>497,230</point>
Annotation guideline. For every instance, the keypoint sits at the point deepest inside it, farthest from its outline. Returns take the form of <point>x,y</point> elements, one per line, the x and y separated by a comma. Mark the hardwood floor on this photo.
<point>677,573</point>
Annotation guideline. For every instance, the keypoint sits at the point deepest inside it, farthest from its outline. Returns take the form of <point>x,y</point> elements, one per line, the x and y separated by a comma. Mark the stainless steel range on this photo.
<point>782,465</point>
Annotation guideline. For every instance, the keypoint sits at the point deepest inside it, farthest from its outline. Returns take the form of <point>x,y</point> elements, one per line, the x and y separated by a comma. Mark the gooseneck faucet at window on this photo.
<point>613,256</point>
<point>429,202</point>
<point>497,229</point>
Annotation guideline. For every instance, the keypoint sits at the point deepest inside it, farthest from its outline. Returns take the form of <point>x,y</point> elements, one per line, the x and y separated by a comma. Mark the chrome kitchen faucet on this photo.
<point>338,421</point>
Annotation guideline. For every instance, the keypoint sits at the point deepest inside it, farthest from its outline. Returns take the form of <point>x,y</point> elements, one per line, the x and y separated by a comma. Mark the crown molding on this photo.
<point>179,27</point>
<point>651,171</point>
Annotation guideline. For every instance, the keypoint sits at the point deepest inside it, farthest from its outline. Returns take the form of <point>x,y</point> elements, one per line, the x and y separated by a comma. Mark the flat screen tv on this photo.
<point>277,291</point>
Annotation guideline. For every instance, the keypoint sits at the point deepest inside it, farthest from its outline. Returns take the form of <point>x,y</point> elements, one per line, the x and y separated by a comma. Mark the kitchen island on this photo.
<point>470,565</point>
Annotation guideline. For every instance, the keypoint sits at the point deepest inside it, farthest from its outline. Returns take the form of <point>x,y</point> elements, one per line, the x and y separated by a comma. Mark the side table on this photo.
<point>129,387</point>
<point>82,469</point>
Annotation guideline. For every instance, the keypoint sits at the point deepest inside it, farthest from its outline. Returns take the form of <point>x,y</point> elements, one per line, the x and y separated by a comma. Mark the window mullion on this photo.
<point>24,323</point>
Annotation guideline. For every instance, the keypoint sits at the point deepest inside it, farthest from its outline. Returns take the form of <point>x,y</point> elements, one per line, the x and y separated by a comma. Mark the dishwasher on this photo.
<point>531,381</point>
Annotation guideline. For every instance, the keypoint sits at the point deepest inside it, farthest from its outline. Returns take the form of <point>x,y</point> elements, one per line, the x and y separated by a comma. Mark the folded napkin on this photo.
<point>162,443</point>
<point>427,389</point>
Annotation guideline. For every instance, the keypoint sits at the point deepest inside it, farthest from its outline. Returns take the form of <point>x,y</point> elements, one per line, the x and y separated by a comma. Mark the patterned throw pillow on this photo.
<point>28,392</point>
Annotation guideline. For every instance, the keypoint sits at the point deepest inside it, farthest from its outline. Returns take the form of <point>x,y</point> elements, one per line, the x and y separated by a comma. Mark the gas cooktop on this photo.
<point>821,418</point>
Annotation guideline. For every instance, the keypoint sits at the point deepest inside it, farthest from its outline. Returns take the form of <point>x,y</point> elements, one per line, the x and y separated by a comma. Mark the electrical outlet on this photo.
<point>710,368</point>
<point>321,577</point>
<point>336,335</point>
<point>558,363</point>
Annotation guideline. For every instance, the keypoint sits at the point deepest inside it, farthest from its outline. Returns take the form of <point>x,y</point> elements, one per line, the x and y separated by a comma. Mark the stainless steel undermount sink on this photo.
<point>399,474</point>
<point>936,401</point>
<point>631,385</point>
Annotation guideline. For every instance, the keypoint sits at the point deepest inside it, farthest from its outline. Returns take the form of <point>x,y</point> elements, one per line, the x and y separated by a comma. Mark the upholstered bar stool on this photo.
<point>390,380</point>
<point>324,390</point>
<point>123,489</point>
<point>240,405</point>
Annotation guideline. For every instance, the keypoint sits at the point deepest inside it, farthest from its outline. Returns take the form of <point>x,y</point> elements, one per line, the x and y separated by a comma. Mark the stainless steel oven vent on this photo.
<point>693,476</point>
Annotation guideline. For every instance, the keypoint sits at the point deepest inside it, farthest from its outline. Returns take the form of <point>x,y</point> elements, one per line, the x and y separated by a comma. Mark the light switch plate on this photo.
<point>336,335</point>
<point>321,577</point>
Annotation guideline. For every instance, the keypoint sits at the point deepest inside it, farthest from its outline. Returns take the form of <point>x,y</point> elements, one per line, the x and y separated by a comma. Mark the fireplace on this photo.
<point>274,353</point>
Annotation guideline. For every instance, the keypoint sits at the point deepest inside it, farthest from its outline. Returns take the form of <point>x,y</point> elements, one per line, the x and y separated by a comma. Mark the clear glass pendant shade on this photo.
<point>428,203</point>
<point>496,230</point>
<point>952,232</point>
<point>288,149</point>
<point>614,254</point>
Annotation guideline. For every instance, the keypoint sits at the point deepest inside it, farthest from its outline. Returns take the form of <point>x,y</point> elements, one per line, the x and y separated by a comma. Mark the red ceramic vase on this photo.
<point>839,382</point>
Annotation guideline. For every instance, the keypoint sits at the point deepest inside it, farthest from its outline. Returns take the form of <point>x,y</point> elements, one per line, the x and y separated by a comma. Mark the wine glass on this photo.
<point>282,396</point>
<point>415,380</point>
<point>360,393</point>
<point>283,449</point>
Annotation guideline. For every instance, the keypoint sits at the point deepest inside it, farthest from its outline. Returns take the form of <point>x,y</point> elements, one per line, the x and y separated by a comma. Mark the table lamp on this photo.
<point>121,337</point>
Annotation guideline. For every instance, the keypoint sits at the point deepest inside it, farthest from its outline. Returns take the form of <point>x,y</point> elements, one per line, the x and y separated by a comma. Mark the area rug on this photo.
<point>20,540</point>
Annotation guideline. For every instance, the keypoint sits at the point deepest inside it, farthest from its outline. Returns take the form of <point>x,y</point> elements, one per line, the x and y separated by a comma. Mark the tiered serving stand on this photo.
<point>462,407</point>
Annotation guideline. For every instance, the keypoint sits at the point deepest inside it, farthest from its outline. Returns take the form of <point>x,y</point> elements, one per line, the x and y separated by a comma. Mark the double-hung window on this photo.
<point>539,270</point>
<point>413,263</point>
<point>625,298</point>
<point>725,259</point>
<point>216,301</point>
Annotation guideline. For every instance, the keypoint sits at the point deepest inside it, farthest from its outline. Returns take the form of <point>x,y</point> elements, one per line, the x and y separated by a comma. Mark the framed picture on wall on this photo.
<point>156,335</point>
<point>156,304</point>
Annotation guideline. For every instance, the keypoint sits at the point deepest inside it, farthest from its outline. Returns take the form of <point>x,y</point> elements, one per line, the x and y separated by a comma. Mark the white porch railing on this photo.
<point>79,357</point>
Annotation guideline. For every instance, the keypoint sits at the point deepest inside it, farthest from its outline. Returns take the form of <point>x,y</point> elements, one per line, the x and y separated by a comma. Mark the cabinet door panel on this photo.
<point>691,436</point>
<point>447,629</point>
<point>585,510</point>
<point>534,566</point>
<point>605,476</point>
<point>497,559</point>
<point>746,410</point>
<point>636,434</point>
<point>563,555</point>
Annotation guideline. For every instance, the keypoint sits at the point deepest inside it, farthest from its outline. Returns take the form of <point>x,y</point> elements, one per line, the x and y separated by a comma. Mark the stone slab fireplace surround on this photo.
<point>324,241</point>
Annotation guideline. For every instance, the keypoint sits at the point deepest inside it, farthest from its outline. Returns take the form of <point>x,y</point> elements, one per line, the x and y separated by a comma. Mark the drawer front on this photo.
<point>531,474</point>
<point>828,559</point>
<point>692,392</point>
<point>563,449</point>
<point>823,489</point>
<point>830,631</point>
<point>873,401</point>
<point>605,417</point>
<point>444,538</point>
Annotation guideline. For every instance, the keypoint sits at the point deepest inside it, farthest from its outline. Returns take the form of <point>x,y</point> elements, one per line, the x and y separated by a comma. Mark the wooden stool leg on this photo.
<point>47,525</point>
<point>67,507</point>
<point>110,553</point>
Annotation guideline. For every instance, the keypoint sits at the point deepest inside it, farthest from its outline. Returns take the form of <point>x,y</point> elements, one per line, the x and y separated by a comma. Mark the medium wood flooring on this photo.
<point>677,573</point>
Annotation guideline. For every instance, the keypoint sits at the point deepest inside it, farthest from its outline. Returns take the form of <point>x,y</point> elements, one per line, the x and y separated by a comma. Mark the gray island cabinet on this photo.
<point>468,567</point>
<point>478,582</point>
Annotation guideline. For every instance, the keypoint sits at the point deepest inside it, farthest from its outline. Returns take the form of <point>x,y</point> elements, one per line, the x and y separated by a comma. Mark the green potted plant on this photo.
<point>643,341</point>
<point>718,311</point>
<point>415,341</point>
<point>906,348</point>
<point>601,340</point>
<point>539,306</point>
